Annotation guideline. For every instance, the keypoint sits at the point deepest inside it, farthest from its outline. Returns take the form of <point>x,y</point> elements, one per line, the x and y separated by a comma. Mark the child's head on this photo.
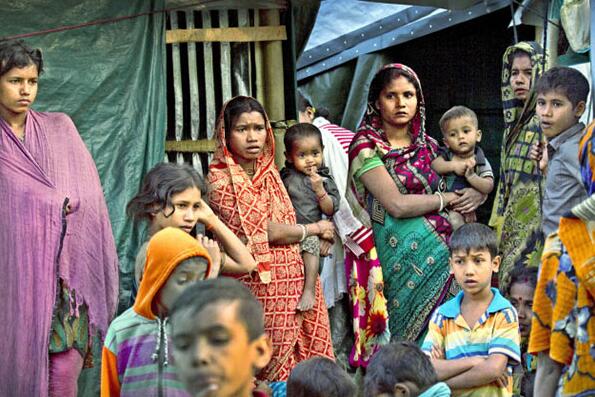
<point>460,130</point>
<point>218,338</point>
<point>561,96</point>
<point>319,377</point>
<point>523,281</point>
<point>175,260</point>
<point>171,195</point>
<point>303,147</point>
<point>399,369</point>
<point>474,257</point>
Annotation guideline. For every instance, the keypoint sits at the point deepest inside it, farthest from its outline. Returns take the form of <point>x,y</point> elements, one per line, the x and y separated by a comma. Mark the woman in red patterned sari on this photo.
<point>246,192</point>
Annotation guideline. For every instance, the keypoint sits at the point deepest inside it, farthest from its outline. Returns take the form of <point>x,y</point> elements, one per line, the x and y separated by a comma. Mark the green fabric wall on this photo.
<point>110,79</point>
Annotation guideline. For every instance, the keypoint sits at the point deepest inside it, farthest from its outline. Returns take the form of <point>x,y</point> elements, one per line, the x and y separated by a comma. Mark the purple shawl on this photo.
<point>36,176</point>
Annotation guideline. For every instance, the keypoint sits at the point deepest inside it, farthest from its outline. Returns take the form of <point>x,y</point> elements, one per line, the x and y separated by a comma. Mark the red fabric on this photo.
<point>246,206</point>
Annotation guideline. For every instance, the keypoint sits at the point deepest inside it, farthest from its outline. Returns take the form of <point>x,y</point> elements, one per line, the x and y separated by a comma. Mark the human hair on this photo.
<point>300,131</point>
<point>303,103</point>
<point>223,290</point>
<point>319,377</point>
<point>523,275</point>
<point>158,187</point>
<point>456,112</point>
<point>384,78</point>
<point>17,54</point>
<point>566,81</point>
<point>474,236</point>
<point>517,54</point>
<point>236,107</point>
<point>395,363</point>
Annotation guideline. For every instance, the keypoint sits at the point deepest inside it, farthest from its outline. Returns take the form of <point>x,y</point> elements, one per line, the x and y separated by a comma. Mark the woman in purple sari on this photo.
<point>59,266</point>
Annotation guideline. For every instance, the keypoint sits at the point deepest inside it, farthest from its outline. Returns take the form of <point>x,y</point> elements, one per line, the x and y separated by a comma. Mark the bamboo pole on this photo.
<point>274,87</point>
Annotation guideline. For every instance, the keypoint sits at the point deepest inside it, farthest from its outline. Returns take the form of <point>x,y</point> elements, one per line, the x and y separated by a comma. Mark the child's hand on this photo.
<point>459,166</point>
<point>327,230</point>
<point>204,214</point>
<point>437,353</point>
<point>316,181</point>
<point>325,247</point>
<point>263,387</point>
<point>470,162</point>
<point>538,153</point>
<point>502,381</point>
<point>214,252</point>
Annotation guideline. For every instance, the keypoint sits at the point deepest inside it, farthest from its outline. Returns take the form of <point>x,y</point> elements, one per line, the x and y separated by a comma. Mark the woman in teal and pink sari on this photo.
<point>396,193</point>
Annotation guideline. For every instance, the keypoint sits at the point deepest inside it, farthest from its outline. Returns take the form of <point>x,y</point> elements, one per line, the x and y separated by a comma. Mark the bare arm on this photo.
<point>326,204</point>
<point>378,182</point>
<point>547,375</point>
<point>446,369</point>
<point>484,373</point>
<point>280,233</point>
<point>443,167</point>
<point>239,260</point>
<point>483,185</point>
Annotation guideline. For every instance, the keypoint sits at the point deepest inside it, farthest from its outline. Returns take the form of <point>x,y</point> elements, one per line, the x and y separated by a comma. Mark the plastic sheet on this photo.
<point>110,78</point>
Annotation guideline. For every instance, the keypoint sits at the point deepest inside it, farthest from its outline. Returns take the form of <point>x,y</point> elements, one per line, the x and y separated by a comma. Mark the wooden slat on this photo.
<point>226,34</point>
<point>242,78</point>
<point>193,81</point>
<point>211,115</point>
<point>178,96</point>
<point>226,67</point>
<point>259,64</point>
<point>194,103</point>
<point>190,146</point>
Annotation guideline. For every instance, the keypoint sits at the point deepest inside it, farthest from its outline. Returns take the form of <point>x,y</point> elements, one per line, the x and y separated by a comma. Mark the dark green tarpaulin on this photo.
<point>110,78</point>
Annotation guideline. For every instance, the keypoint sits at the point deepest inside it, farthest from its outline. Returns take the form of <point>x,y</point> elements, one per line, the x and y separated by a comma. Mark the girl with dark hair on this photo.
<point>395,192</point>
<point>246,191</point>
<point>171,195</point>
<point>516,214</point>
<point>59,267</point>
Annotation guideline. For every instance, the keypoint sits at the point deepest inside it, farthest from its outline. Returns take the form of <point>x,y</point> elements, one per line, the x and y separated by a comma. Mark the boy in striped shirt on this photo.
<point>473,339</point>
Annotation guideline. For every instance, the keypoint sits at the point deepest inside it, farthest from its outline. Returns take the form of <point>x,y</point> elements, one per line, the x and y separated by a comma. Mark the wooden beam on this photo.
<point>189,146</point>
<point>244,34</point>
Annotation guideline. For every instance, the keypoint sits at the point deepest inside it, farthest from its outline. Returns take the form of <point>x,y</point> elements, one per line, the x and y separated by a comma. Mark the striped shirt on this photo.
<point>343,135</point>
<point>496,331</point>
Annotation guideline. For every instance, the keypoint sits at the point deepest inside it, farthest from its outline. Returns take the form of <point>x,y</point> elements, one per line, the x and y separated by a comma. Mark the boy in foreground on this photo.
<point>219,342</point>
<point>474,339</point>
